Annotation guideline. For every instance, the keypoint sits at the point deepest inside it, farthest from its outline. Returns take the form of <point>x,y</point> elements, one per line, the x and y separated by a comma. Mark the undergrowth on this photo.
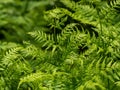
<point>77,49</point>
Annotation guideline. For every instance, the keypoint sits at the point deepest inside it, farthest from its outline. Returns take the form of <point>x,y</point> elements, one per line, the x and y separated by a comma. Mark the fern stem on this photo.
<point>101,31</point>
<point>55,36</point>
<point>99,21</point>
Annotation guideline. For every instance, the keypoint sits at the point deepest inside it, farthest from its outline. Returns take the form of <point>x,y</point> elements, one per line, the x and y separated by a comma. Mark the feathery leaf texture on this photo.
<point>78,50</point>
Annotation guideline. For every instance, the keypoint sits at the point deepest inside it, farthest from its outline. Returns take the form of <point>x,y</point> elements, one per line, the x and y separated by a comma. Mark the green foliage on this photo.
<point>77,48</point>
<point>18,17</point>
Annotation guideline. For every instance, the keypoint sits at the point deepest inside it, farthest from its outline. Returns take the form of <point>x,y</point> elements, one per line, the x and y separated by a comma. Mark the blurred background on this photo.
<point>17,17</point>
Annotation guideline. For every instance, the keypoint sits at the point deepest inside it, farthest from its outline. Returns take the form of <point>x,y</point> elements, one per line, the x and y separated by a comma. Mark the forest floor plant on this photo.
<point>78,49</point>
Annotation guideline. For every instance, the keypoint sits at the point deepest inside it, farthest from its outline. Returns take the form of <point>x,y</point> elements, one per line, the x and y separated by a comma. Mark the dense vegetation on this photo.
<point>59,44</point>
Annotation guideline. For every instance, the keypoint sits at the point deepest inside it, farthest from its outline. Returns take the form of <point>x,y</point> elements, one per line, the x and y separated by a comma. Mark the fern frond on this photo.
<point>41,37</point>
<point>70,4</point>
<point>36,78</point>
<point>97,3</point>
<point>11,55</point>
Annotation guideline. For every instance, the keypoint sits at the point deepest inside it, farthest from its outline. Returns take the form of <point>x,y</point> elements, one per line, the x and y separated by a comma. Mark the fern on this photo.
<point>36,78</point>
<point>78,49</point>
